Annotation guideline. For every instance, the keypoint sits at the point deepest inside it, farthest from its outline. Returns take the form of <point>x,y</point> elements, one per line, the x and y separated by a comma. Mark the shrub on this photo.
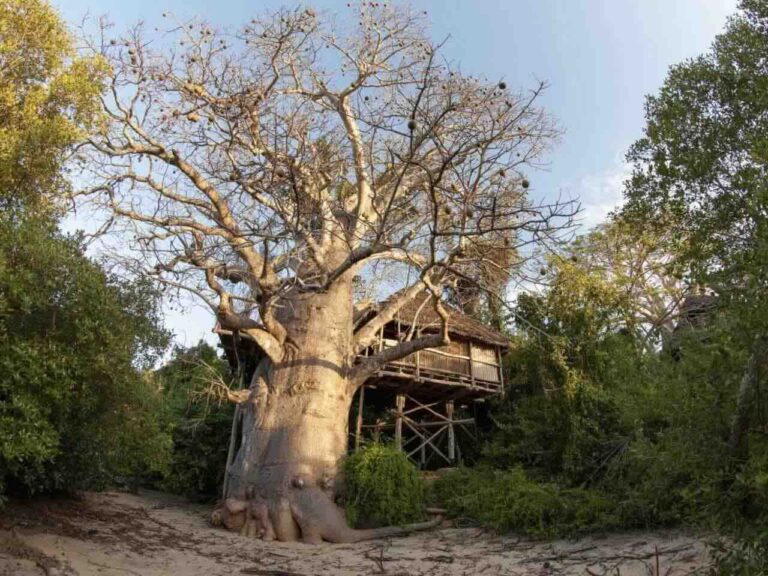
<point>200,427</point>
<point>382,487</point>
<point>746,556</point>
<point>510,501</point>
<point>563,436</point>
<point>199,455</point>
<point>75,409</point>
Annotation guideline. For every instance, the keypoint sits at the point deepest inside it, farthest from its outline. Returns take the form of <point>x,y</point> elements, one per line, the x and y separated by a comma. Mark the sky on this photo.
<point>599,57</point>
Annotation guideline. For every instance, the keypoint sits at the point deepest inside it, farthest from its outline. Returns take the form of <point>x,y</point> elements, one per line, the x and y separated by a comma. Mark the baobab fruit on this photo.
<point>411,125</point>
<point>526,183</point>
<point>502,85</point>
<point>543,271</point>
<point>113,42</point>
<point>574,258</point>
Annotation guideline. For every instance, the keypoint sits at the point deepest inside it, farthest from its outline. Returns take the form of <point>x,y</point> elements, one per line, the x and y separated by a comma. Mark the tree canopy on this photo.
<point>48,101</point>
<point>701,167</point>
<point>297,151</point>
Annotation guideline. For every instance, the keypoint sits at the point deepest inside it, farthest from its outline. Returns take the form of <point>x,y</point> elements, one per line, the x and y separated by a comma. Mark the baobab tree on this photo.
<point>265,171</point>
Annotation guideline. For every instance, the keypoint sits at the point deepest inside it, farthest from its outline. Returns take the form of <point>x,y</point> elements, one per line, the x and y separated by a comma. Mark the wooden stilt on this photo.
<point>451,431</point>
<point>399,405</point>
<point>359,423</point>
<point>423,454</point>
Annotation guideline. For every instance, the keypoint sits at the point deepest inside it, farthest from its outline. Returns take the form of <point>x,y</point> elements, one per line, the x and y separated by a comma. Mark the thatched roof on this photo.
<point>420,312</point>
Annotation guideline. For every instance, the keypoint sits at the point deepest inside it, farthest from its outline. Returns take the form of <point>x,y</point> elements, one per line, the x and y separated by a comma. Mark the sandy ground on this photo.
<point>111,533</point>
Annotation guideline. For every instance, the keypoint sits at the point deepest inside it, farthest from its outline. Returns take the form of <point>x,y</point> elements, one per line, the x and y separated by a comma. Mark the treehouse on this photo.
<point>422,401</point>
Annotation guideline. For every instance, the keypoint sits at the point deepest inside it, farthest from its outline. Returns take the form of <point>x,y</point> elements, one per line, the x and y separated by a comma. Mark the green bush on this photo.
<point>510,501</point>
<point>744,556</point>
<point>382,487</point>
<point>76,411</point>
<point>200,426</point>
<point>199,454</point>
<point>567,436</point>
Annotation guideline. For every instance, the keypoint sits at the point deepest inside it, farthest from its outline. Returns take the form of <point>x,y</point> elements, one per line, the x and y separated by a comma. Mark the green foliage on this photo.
<point>48,100</point>
<point>563,436</point>
<point>201,428</point>
<point>701,166</point>
<point>746,556</point>
<point>510,501</point>
<point>382,487</point>
<point>75,409</point>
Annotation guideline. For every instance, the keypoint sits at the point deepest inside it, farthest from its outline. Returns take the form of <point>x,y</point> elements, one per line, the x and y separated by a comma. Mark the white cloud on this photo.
<point>599,194</point>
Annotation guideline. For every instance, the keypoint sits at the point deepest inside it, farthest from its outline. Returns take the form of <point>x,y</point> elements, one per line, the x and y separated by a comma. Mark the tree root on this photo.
<point>306,513</point>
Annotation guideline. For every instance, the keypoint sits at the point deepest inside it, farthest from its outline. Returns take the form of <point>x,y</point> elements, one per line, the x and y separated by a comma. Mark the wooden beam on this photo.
<point>451,432</point>
<point>471,365</point>
<point>359,423</point>
<point>432,441</point>
<point>399,405</point>
<point>501,371</point>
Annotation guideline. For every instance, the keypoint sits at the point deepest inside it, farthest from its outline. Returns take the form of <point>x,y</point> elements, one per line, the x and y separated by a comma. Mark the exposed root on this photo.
<point>307,513</point>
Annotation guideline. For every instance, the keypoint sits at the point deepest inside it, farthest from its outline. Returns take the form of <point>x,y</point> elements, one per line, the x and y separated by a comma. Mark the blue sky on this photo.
<point>600,57</point>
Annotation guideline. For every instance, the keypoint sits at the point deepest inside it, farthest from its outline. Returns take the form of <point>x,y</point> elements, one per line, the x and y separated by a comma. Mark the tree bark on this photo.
<point>295,420</point>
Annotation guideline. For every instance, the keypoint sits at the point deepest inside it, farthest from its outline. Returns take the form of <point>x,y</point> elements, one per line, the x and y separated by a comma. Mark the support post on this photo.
<point>471,365</point>
<point>423,453</point>
<point>399,405</point>
<point>451,432</point>
<point>501,371</point>
<point>359,423</point>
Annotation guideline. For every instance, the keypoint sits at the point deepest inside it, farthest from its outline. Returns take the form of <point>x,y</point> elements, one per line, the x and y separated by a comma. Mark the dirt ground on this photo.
<point>112,533</point>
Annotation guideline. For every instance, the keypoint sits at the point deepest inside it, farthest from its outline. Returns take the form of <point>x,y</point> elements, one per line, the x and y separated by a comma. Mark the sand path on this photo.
<point>154,534</point>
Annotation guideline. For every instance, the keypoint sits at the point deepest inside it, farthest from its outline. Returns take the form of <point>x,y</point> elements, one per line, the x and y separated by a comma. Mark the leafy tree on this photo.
<point>702,166</point>
<point>48,101</point>
<point>75,409</point>
<point>637,272</point>
<point>268,172</point>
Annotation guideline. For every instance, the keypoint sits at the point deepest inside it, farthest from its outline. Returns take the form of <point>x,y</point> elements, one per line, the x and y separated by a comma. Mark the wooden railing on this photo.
<point>474,368</point>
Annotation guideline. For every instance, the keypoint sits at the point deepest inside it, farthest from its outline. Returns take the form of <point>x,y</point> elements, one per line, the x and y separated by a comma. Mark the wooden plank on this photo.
<point>427,407</point>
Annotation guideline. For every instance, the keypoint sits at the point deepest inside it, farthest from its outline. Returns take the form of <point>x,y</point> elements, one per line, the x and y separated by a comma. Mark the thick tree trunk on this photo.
<point>294,431</point>
<point>283,480</point>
